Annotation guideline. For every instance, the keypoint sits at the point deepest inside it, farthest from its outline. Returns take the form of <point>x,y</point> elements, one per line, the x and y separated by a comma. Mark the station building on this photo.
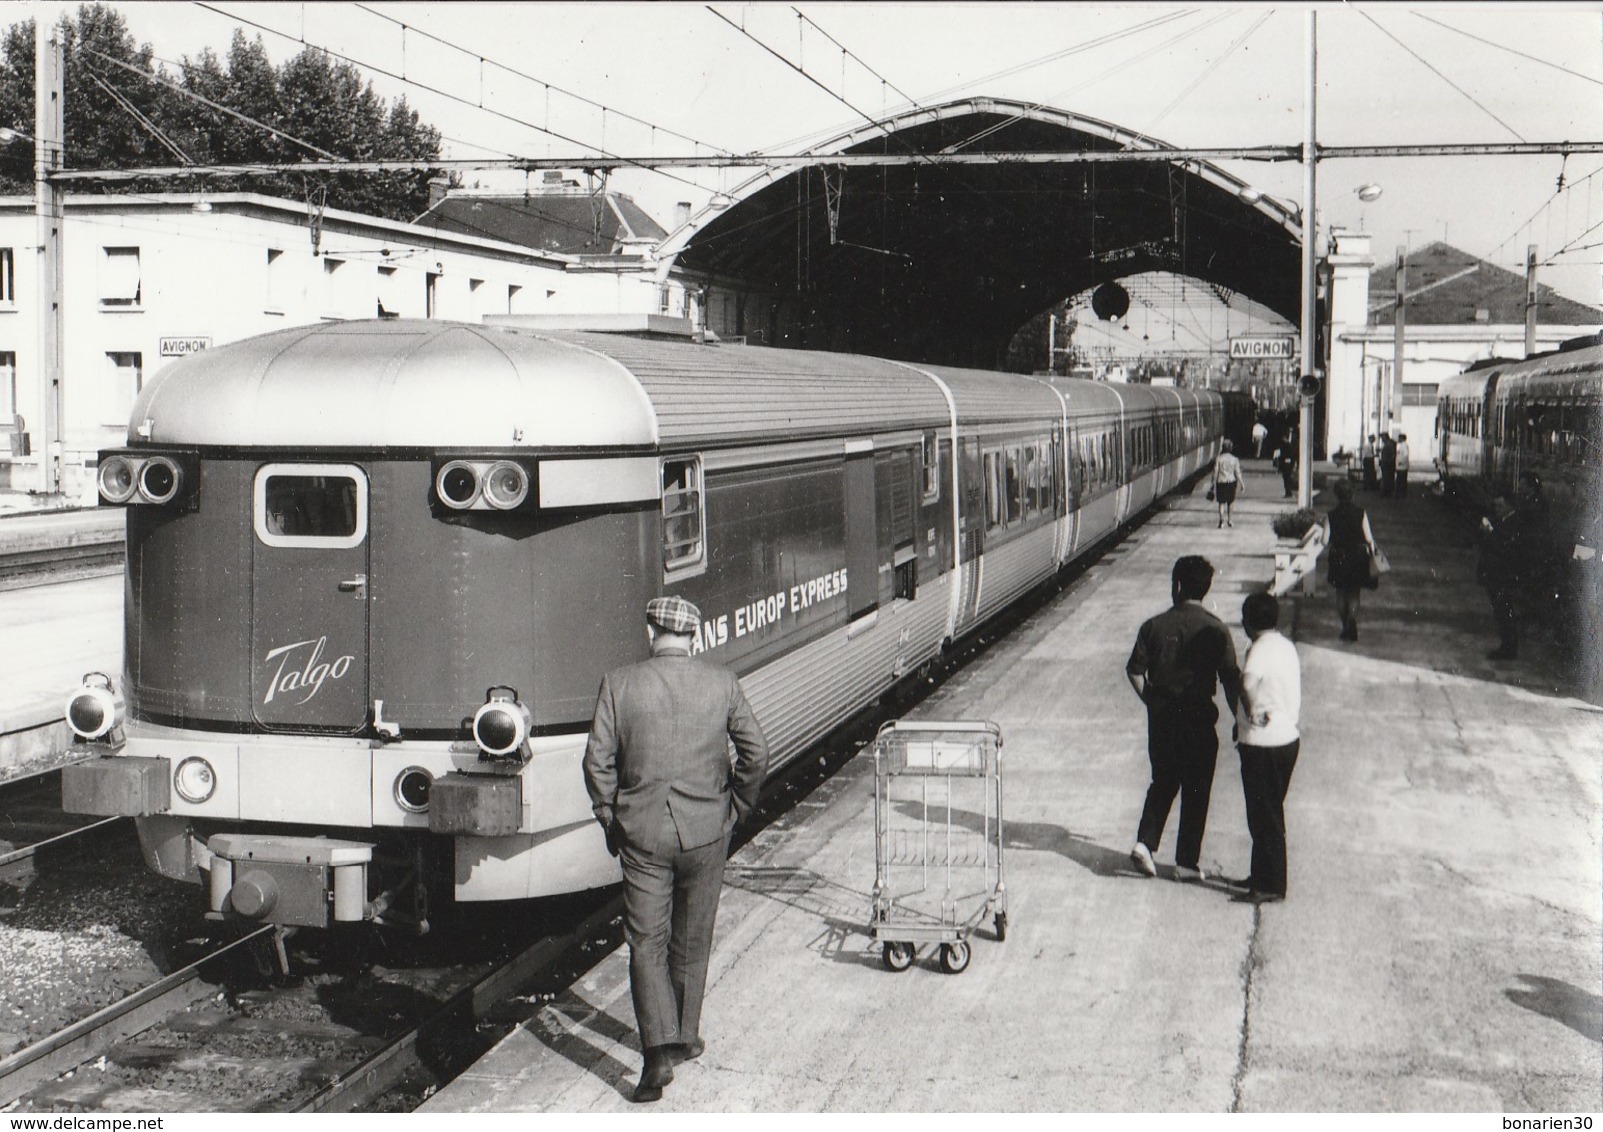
<point>1458,310</point>
<point>148,278</point>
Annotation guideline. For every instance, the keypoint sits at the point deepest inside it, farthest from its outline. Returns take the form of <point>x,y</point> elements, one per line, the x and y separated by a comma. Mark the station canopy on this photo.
<point>940,262</point>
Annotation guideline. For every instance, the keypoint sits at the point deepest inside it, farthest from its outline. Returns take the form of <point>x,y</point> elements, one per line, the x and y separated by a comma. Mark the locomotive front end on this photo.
<point>374,574</point>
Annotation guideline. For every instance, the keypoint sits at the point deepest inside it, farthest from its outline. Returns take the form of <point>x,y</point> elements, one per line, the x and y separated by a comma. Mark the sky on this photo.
<point>761,78</point>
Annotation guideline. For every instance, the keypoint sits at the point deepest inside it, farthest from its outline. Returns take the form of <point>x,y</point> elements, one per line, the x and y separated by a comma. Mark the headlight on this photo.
<point>457,485</point>
<point>506,485</point>
<point>412,789</point>
<point>194,780</point>
<point>118,479</point>
<point>160,479</point>
<point>502,724</point>
<point>92,710</point>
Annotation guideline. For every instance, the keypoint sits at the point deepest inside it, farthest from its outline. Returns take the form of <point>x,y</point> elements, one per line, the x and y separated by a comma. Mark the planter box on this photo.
<point>1296,562</point>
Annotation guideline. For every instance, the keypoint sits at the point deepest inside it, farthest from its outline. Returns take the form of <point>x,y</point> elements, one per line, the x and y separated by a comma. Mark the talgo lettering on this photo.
<point>310,676</point>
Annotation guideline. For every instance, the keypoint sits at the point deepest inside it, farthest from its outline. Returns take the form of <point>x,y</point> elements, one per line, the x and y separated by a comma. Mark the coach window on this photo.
<point>1032,481</point>
<point>993,489</point>
<point>932,468</point>
<point>684,528</point>
<point>311,505</point>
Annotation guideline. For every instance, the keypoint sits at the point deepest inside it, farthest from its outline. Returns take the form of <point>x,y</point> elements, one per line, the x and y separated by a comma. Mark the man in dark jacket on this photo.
<point>1179,659</point>
<point>662,786</point>
<point>1500,571</point>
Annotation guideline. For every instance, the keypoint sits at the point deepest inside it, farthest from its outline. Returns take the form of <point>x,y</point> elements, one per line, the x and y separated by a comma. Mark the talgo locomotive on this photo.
<point>377,569</point>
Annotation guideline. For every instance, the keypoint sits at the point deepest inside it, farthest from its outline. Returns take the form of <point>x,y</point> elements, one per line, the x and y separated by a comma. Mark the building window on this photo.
<point>119,277</point>
<point>273,296</point>
<point>125,376</point>
<point>389,295</point>
<point>8,277</point>
<point>431,294</point>
<point>8,388</point>
<point>683,529</point>
<point>332,307</point>
<point>1421,393</point>
<point>512,298</point>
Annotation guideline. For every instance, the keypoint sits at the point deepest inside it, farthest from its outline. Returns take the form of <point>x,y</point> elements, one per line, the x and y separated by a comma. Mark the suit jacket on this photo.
<point>657,761</point>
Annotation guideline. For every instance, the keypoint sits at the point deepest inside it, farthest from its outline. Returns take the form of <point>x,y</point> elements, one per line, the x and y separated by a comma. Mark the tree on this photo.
<point>310,97</point>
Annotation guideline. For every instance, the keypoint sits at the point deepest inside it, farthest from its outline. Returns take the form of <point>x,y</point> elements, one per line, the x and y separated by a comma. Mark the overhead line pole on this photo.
<point>1310,235</point>
<point>49,140</point>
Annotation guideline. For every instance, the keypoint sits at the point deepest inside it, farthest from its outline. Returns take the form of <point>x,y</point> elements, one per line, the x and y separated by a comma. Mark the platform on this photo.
<point>1439,949</point>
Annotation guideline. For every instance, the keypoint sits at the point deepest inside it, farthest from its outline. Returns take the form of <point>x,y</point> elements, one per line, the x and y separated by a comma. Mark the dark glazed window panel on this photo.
<point>311,506</point>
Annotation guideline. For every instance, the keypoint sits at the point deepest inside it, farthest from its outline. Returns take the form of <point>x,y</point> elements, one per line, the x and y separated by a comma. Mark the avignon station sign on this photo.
<point>1263,346</point>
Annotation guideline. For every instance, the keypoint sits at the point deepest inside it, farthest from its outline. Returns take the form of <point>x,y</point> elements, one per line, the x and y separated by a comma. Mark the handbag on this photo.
<point>1378,563</point>
<point>1210,493</point>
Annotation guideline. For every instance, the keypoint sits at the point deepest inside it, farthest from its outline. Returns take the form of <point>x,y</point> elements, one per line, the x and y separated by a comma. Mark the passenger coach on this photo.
<point>376,570</point>
<point>1501,425</point>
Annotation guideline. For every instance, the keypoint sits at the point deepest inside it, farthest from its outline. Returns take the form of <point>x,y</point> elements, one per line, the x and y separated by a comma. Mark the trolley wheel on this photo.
<point>896,955</point>
<point>954,957</point>
<point>1001,926</point>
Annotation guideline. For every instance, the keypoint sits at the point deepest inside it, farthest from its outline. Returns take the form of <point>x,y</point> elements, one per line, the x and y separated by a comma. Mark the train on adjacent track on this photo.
<point>376,570</point>
<point>1528,429</point>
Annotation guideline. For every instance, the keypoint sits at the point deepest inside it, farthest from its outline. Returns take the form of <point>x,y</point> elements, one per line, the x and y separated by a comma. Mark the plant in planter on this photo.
<point>1295,525</point>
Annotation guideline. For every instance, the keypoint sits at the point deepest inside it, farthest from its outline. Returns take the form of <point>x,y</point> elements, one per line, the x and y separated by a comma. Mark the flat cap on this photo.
<point>673,614</point>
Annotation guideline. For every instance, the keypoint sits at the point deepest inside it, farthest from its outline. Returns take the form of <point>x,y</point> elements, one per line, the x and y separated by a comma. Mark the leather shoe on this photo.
<point>657,1075</point>
<point>689,1051</point>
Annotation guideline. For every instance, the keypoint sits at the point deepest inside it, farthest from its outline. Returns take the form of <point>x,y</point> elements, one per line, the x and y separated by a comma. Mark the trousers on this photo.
<point>670,901</point>
<point>1265,777</point>
<point>1183,749</point>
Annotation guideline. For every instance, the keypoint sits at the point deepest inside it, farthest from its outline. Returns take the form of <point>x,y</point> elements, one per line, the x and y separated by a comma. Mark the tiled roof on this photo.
<point>1448,287</point>
<point>569,223</point>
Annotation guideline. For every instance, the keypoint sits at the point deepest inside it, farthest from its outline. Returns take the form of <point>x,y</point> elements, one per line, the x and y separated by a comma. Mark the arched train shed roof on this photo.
<point>944,262</point>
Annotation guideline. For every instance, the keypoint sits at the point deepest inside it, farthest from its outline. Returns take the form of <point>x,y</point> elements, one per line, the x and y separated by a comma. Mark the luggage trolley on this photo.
<point>937,838</point>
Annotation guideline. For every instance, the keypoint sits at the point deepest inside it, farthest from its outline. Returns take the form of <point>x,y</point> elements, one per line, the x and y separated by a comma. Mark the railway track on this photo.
<point>32,822</point>
<point>58,546</point>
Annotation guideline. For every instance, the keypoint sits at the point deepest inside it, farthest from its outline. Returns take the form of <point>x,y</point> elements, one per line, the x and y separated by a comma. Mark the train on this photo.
<point>1529,431</point>
<point>376,570</point>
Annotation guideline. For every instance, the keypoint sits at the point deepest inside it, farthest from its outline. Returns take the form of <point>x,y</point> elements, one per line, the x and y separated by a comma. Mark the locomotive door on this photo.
<point>309,597</point>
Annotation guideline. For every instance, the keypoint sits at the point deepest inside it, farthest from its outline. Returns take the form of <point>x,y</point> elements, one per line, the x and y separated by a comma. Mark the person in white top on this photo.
<point>1268,738</point>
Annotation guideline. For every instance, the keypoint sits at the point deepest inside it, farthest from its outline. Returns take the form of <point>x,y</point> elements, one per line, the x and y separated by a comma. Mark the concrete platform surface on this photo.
<point>1439,950</point>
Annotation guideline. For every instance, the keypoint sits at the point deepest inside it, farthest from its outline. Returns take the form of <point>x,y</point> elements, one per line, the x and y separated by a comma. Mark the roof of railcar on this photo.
<point>408,383</point>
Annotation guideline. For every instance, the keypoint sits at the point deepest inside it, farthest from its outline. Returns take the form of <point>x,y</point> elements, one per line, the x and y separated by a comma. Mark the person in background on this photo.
<point>1371,479</point>
<point>1179,659</point>
<point>1286,462</point>
<point>1268,738</point>
<point>1388,464</point>
<point>661,783</point>
<point>1401,460</point>
<point>1348,545</point>
<point>1260,433</point>
<point>1226,482</point>
<point>1500,571</point>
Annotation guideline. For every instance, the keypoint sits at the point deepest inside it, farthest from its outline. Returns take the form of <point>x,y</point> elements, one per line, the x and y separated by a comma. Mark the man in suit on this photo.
<point>663,787</point>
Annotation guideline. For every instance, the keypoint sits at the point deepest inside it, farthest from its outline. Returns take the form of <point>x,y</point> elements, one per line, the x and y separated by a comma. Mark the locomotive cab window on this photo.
<point>683,516</point>
<point>311,505</point>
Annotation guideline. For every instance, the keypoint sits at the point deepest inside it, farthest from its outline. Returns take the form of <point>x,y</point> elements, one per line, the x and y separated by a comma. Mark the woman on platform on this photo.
<point>1226,481</point>
<point>1348,546</point>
